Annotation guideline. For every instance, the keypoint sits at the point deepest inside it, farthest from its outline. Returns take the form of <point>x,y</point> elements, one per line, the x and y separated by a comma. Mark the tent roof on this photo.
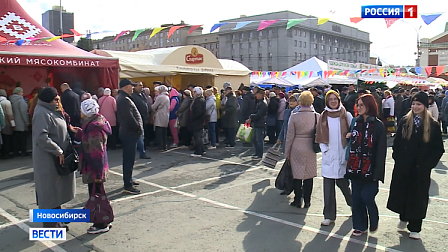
<point>172,60</point>
<point>16,24</point>
<point>313,64</point>
<point>274,81</point>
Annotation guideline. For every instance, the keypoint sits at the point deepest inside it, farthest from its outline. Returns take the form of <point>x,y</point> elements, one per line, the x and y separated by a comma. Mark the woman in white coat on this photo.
<point>333,125</point>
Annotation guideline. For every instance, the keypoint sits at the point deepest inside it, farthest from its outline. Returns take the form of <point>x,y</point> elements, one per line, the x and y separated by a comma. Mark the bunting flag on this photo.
<point>241,24</point>
<point>430,18</point>
<point>137,32</point>
<point>284,74</point>
<point>88,36</point>
<point>302,73</point>
<point>319,74</point>
<point>19,42</point>
<point>321,21</point>
<point>120,34</point>
<point>266,23</point>
<point>390,21</point>
<point>156,30</point>
<point>356,19</point>
<point>439,70</point>
<point>173,29</point>
<point>3,39</point>
<point>75,32</point>
<point>53,38</point>
<point>311,73</point>
<point>306,74</point>
<point>292,22</point>
<point>216,26</point>
<point>418,70</point>
<point>428,70</point>
<point>298,74</point>
<point>193,28</point>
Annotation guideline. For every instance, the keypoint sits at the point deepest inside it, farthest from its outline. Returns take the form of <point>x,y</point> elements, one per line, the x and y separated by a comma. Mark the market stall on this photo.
<point>35,63</point>
<point>178,67</point>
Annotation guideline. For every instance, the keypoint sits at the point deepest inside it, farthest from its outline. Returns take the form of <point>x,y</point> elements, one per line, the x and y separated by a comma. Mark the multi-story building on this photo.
<point>276,48</point>
<point>434,51</point>
<point>51,20</point>
<point>143,42</point>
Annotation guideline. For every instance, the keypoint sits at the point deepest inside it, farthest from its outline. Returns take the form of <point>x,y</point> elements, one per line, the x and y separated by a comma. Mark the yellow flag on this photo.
<point>156,30</point>
<point>321,21</point>
<point>302,74</point>
<point>53,38</point>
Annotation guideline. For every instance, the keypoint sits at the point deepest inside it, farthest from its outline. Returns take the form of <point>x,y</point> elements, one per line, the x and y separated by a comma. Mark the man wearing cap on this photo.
<point>131,129</point>
<point>318,103</point>
<point>257,121</point>
<point>406,107</point>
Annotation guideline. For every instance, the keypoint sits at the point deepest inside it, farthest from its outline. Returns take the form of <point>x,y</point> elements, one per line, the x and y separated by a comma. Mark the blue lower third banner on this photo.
<point>59,215</point>
<point>48,234</point>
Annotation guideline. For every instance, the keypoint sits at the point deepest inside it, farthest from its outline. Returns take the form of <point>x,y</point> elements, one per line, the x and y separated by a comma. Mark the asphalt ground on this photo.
<point>221,202</point>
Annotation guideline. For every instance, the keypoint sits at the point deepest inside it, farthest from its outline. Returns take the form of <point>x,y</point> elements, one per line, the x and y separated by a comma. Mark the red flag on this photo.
<point>311,73</point>
<point>356,19</point>
<point>121,34</point>
<point>193,28</point>
<point>75,32</point>
<point>173,29</point>
<point>390,21</point>
<point>428,70</point>
<point>439,70</point>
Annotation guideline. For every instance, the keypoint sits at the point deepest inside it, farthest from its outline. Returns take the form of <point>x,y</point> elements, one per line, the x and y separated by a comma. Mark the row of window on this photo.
<point>270,32</point>
<point>160,35</point>
<point>211,46</point>
<point>300,43</point>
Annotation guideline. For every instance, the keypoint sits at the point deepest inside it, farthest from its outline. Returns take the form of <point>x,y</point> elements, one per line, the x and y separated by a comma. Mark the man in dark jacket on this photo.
<point>379,101</point>
<point>248,104</point>
<point>131,130</point>
<point>229,117</point>
<point>318,103</point>
<point>350,99</point>
<point>406,107</point>
<point>71,104</point>
<point>197,116</point>
<point>398,103</point>
<point>142,105</point>
<point>257,122</point>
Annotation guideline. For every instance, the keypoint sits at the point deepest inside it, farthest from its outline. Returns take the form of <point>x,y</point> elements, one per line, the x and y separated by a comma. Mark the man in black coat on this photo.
<point>350,99</point>
<point>130,131</point>
<point>197,116</point>
<point>257,121</point>
<point>398,103</point>
<point>142,105</point>
<point>229,117</point>
<point>71,104</point>
<point>318,103</point>
<point>247,105</point>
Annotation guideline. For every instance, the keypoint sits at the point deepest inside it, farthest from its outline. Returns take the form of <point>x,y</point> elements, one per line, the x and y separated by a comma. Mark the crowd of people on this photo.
<point>350,128</point>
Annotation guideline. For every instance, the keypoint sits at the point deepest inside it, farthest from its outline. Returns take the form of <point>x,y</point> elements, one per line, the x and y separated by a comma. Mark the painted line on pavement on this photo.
<point>13,223</point>
<point>347,238</point>
<point>49,244</point>
<point>136,196</point>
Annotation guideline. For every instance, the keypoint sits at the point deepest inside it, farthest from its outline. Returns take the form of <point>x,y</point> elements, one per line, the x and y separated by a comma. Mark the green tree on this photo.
<point>85,44</point>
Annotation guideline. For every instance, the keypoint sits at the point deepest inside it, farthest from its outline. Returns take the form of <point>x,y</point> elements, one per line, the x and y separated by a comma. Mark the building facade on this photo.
<point>144,42</point>
<point>208,41</point>
<point>51,20</point>
<point>276,48</point>
<point>434,51</point>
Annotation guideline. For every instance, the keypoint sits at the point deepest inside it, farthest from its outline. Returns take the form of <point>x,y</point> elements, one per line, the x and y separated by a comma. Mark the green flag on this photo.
<point>292,22</point>
<point>137,32</point>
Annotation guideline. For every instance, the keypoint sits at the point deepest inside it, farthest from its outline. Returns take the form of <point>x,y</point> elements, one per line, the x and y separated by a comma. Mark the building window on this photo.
<point>172,40</point>
<point>269,68</point>
<point>269,43</point>
<point>300,56</point>
<point>150,43</point>
<point>242,35</point>
<point>315,46</point>
<point>329,48</point>
<point>270,55</point>
<point>251,34</point>
<point>260,56</point>
<point>241,57</point>
<point>217,45</point>
<point>260,33</point>
<point>270,32</point>
<point>335,49</point>
<point>300,43</point>
<point>323,47</point>
<point>314,35</point>
<point>259,44</point>
<point>161,42</point>
<point>304,56</point>
<point>250,45</point>
<point>177,32</point>
<point>336,41</point>
<point>295,56</point>
<point>233,47</point>
<point>300,33</point>
<point>323,58</point>
<point>304,33</point>
<point>342,50</point>
<point>155,42</point>
<point>322,38</point>
<point>233,57</point>
<point>241,46</point>
<point>177,40</point>
<point>295,34</point>
<point>216,54</point>
<point>295,42</point>
<point>250,56</point>
<point>233,36</point>
<point>304,44</point>
<point>137,46</point>
<point>211,46</point>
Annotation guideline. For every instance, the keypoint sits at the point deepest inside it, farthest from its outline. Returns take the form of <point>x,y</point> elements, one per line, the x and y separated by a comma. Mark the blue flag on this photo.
<point>242,24</point>
<point>216,26</point>
<point>430,18</point>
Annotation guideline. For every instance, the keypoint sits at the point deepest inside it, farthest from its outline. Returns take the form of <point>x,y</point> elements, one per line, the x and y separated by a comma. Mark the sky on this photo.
<point>394,45</point>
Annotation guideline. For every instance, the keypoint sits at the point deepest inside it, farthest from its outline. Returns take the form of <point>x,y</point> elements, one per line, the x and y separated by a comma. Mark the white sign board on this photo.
<point>341,65</point>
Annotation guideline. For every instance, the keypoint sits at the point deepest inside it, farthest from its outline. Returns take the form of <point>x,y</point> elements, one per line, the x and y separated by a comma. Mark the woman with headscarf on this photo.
<point>331,131</point>
<point>94,165</point>
<point>50,140</point>
<point>417,149</point>
<point>161,108</point>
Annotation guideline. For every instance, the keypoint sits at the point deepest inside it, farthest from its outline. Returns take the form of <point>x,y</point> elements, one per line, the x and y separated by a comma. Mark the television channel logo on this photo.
<point>47,234</point>
<point>59,215</point>
<point>389,11</point>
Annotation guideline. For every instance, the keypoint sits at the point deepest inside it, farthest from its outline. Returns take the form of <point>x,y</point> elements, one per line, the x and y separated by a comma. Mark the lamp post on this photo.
<point>60,11</point>
<point>419,53</point>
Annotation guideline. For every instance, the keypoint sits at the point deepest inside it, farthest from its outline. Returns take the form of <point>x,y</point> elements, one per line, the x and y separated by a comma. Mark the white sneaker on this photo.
<point>327,222</point>
<point>195,155</point>
<point>174,145</point>
<point>212,148</point>
<point>414,235</point>
<point>402,225</point>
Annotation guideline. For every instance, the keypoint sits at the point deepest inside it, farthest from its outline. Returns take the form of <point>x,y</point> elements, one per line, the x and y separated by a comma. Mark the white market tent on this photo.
<point>171,62</point>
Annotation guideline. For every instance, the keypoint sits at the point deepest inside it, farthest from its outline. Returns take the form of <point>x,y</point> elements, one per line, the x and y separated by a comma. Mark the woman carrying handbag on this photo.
<point>93,134</point>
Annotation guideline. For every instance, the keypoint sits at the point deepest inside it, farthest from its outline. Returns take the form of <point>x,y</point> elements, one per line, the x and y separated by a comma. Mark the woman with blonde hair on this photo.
<point>417,148</point>
<point>331,132</point>
<point>299,149</point>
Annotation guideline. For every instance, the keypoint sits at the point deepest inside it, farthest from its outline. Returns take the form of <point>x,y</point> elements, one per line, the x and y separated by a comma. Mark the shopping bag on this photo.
<point>99,205</point>
<point>272,156</point>
<point>245,133</point>
<point>205,139</point>
<point>284,180</point>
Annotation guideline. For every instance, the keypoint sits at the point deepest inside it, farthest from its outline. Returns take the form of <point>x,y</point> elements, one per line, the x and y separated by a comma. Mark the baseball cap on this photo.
<point>125,82</point>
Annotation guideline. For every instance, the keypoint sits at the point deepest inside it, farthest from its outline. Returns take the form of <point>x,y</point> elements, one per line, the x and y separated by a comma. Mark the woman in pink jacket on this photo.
<point>108,108</point>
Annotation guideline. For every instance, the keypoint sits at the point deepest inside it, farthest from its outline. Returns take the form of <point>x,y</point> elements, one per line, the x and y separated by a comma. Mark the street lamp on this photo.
<point>419,53</point>
<point>60,11</point>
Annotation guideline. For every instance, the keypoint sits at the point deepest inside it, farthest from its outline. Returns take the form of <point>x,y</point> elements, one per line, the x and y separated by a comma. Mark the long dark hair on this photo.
<point>370,104</point>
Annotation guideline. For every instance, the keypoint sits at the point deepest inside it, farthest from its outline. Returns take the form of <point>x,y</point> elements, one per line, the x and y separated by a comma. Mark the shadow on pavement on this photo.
<point>408,244</point>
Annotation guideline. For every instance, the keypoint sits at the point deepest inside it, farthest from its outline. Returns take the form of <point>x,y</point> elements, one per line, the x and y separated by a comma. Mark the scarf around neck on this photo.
<point>322,130</point>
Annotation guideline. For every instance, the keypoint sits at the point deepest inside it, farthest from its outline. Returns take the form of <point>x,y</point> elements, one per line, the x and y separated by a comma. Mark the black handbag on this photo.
<point>316,147</point>
<point>71,161</point>
<point>284,180</point>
